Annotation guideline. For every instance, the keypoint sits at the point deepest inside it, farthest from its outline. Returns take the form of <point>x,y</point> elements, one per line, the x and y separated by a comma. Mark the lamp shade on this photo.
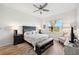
<point>15,27</point>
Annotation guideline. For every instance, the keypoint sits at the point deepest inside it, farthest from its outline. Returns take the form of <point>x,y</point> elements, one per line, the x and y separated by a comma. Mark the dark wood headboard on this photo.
<point>28,28</point>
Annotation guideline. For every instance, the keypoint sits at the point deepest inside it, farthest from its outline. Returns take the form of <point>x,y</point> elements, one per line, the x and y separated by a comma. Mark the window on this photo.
<point>50,27</point>
<point>58,23</point>
<point>55,26</point>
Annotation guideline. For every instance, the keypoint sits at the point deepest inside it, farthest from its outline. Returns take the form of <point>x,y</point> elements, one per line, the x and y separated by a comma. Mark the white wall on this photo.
<point>78,20</point>
<point>78,15</point>
<point>6,36</point>
<point>10,17</point>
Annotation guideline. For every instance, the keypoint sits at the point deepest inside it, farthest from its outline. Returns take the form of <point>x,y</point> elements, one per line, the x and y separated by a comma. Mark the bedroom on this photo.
<point>16,17</point>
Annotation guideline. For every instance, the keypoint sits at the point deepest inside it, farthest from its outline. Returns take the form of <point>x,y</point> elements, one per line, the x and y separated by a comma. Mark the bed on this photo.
<point>40,42</point>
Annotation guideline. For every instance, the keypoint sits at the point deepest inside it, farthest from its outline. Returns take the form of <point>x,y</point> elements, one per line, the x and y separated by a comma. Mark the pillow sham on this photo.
<point>27,33</point>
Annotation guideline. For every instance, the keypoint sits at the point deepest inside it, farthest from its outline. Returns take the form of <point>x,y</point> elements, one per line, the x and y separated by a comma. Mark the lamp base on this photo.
<point>15,32</point>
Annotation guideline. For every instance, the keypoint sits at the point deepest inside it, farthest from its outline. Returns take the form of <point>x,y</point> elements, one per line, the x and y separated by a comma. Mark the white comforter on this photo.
<point>35,38</point>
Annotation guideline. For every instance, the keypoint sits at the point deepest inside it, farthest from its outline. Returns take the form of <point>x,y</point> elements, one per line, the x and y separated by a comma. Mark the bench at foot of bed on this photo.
<point>40,48</point>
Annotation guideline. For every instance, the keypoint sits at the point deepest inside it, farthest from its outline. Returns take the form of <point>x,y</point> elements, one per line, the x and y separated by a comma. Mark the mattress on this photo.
<point>35,39</point>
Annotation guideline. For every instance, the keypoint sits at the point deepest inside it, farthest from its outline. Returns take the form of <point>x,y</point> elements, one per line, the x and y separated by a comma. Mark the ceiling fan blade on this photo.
<point>40,7</point>
<point>45,9</point>
<point>35,10</point>
<point>35,6</point>
<point>44,5</point>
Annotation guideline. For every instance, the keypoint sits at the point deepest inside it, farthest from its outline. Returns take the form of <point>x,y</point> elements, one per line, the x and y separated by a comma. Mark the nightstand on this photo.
<point>18,39</point>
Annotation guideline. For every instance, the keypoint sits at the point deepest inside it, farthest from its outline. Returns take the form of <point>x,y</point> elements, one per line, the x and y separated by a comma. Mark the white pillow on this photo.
<point>27,33</point>
<point>34,32</point>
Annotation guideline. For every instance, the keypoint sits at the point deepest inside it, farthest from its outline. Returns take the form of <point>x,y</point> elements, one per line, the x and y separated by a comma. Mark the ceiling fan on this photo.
<point>41,8</point>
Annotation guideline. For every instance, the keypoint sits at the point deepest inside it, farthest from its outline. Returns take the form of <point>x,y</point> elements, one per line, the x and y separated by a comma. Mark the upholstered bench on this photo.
<point>41,47</point>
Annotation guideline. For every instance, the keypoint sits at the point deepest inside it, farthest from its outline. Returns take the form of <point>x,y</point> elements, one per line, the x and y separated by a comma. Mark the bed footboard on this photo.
<point>40,50</point>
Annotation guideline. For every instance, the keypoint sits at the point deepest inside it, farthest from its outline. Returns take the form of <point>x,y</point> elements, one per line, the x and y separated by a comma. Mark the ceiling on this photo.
<point>55,8</point>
